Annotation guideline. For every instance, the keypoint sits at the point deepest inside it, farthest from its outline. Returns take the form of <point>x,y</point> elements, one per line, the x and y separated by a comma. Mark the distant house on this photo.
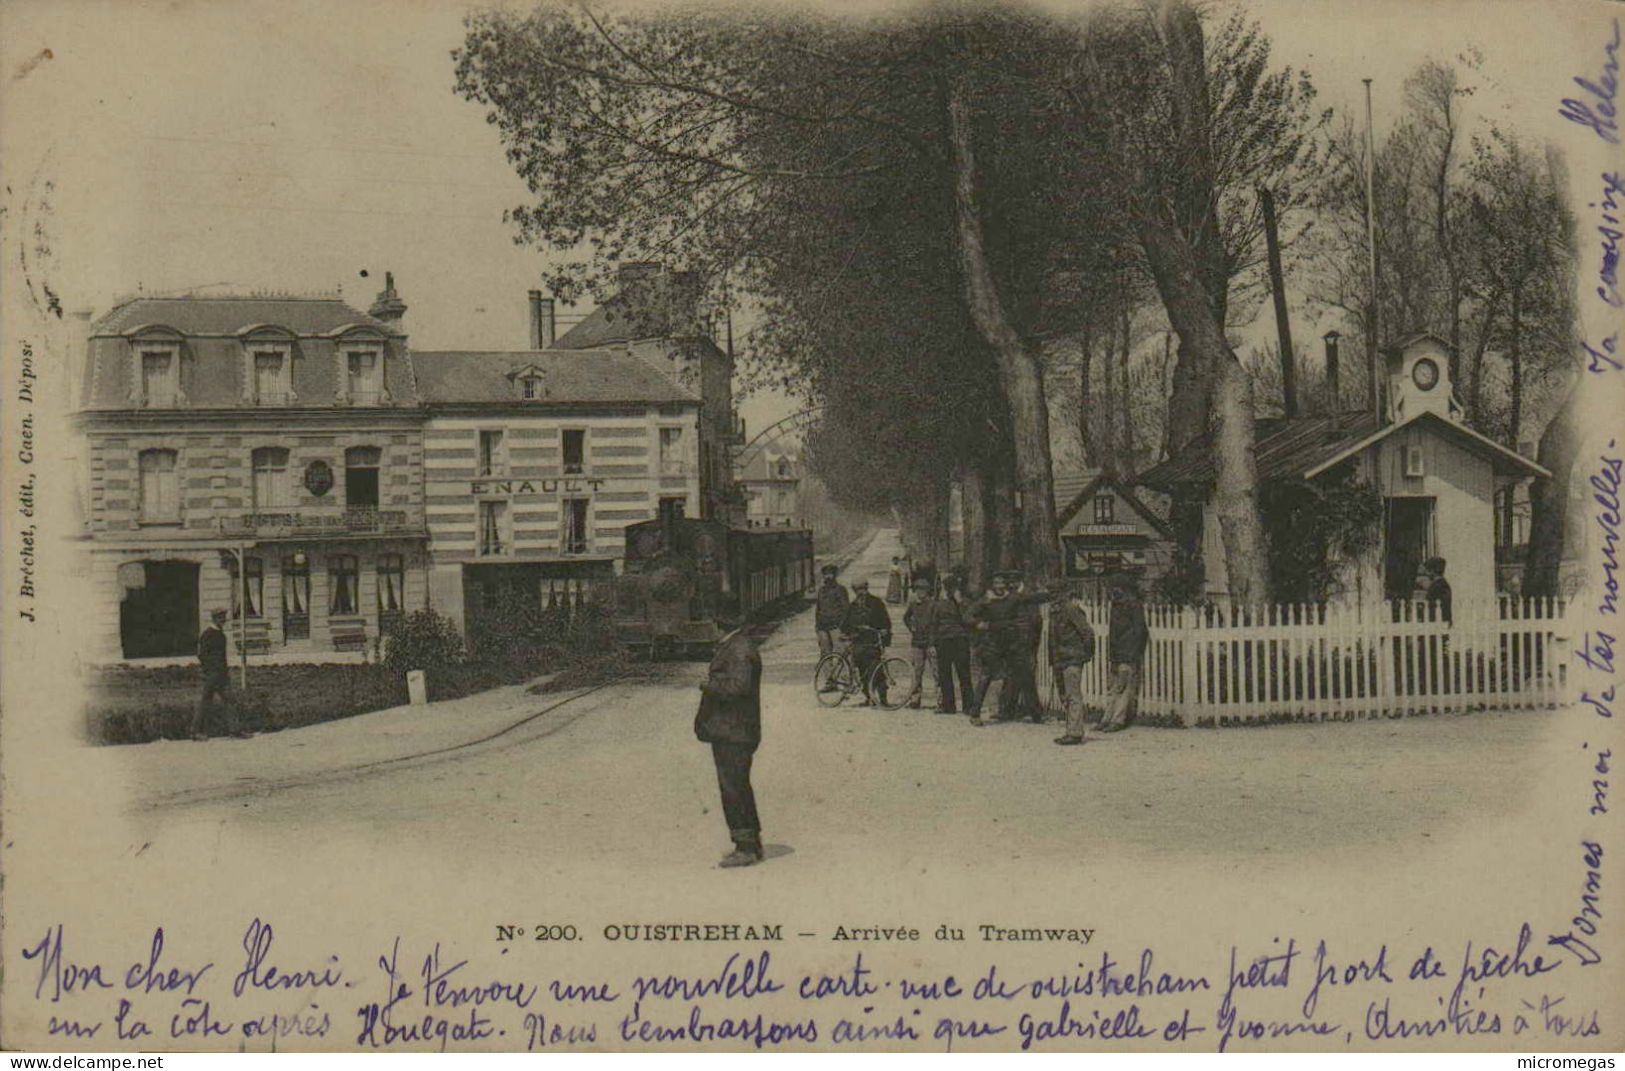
<point>1439,480</point>
<point>771,482</point>
<point>1108,530</point>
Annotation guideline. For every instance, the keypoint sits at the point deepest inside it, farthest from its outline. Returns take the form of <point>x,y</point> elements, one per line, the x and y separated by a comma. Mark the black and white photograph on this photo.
<point>987,526</point>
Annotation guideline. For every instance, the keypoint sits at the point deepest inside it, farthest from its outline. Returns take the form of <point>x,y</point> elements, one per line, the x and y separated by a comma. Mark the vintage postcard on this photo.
<point>1048,526</point>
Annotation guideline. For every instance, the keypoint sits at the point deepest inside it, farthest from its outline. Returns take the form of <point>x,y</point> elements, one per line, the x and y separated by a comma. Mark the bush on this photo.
<point>422,640</point>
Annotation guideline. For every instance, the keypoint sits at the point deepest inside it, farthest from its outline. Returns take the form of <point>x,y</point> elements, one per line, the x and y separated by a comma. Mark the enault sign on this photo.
<point>531,487</point>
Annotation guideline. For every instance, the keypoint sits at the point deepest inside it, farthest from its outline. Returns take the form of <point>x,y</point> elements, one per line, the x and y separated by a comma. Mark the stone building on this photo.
<point>257,454</point>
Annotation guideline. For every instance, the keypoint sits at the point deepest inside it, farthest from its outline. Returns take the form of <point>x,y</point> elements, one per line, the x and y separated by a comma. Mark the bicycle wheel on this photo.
<point>891,678</point>
<point>832,680</point>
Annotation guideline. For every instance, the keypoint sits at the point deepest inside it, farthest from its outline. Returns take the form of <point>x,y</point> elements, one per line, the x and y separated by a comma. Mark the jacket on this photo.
<point>731,697</point>
<point>211,652</point>
<point>831,605</point>
<point>918,619</point>
<point>868,611</point>
<point>1128,634</point>
<point>1071,639</point>
<point>1439,592</point>
<point>948,619</point>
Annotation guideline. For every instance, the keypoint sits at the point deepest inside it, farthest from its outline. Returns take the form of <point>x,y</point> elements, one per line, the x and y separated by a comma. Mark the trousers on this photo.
<point>1072,681</point>
<point>738,798</point>
<point>1125,698</point>
<point>215,692</point>
<point>826,641</point>
<point>917,657</point>
<point>953,659</point>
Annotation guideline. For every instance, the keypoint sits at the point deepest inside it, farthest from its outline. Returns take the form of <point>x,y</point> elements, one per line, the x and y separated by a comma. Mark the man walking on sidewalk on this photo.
<point>211,657</point>
<point>730,720</point>
<point>1127,637</point>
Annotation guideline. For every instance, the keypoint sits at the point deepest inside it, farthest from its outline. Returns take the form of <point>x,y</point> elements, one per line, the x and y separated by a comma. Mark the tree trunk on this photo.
<point>1549,496</point>
<point>1515,359</point>
<point>1124,462</point>
<point>1002,505</point>
<point>1019,370</point>
<point>1475,392</point>
<point>1086,361</point>
<point>973,516</point>
<point>1235,492</point>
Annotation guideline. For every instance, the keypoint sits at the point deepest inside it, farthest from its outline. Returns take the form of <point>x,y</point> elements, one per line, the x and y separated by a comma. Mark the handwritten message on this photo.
<point>424,994</point>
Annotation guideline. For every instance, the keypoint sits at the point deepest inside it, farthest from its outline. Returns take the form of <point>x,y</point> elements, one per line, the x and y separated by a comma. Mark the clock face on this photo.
<point>1425,374</point>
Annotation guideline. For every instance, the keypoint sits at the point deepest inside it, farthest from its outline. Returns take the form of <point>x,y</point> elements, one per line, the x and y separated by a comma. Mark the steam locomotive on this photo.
<point>679,570</point>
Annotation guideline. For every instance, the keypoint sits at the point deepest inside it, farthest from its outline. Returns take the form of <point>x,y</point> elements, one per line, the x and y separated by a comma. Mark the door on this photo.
<point>158,614</point>
<point>1409,542</point>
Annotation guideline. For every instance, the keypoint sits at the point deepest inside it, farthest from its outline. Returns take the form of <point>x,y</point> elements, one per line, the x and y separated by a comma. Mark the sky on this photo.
<point>232,146</point>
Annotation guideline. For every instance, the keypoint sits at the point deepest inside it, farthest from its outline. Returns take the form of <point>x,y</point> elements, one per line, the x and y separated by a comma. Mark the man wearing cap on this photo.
<point>1126,641</point>
<point>990,627</point>
<point>829,613</point>
<point>211,656</point>
<point>868,628</point>
<point>950,626</point>
<point>1072,646</point>
<point>918,620</point>
<point>730,720</point>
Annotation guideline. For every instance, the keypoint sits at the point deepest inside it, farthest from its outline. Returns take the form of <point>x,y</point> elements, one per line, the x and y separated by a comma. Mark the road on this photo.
<point>617,780</point>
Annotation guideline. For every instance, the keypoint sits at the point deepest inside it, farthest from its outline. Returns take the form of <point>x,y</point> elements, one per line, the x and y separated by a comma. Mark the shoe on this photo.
<point>866,703</point>
<point>1068,740</point>
<point>914,704</point>
<point>200,736</point>
<point>739,857</point>
<point>829,688</point>
<point>1112,728</point>
<point>978,722</point>
<point>945,710</point>
<point>242,734</point>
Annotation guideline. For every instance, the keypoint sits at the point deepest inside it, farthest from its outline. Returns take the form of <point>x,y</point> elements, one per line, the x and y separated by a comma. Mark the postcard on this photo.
<point>950,528</point>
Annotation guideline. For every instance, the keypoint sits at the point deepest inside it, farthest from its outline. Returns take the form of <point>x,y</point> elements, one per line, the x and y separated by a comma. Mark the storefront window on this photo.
<point>391,588</point>
<point>296,597</point>
<point>344,577</point>
<point>253,588</point>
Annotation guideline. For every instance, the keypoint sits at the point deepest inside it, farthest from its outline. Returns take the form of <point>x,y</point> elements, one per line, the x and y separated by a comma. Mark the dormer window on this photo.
<point>364,376</point>
<point>1105,509</point>
<point>160,378</point>
<point>529,382</point>
<point>271,376</point>
<point>530,387</point>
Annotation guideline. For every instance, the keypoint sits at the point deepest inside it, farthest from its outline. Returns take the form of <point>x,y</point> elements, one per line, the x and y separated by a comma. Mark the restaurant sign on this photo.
<point>532,487</point>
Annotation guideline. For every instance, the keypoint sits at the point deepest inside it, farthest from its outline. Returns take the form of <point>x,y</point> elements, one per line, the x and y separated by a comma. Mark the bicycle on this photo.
<point>837,677</point>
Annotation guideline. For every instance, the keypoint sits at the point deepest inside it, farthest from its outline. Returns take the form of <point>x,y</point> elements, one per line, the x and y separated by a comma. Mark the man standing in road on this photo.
<point>950,624</point>
<point>830,610</point>
<point>918,620</point>
<point>868,627</point>
<point>1127,637</point>
<point>1029,633</point>
<point>211,656</point>
<point>730,720</point>
<point>991,617</point>
<point>1071,647</point>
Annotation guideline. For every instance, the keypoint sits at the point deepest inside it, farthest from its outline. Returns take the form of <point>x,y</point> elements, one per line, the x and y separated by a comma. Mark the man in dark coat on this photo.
<point>211,656</point>
<point>917,619</point>
<point>1024,653</point>
<point>1071,647</point>
<point>950,625</point>
<point>1437,590</point>
<point>730,720</point>
<point>1126,641</point>
<point>829,612</point>
<point>868,628</point>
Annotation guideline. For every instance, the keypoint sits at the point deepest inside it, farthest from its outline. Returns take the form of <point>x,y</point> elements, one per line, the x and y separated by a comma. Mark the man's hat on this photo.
<point>829,570</point>
<point>860,583</point>
<point>218,615</point>
<point>922,584</point>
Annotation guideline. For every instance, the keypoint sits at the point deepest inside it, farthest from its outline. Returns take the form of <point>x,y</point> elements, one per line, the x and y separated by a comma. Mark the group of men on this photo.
<point>1000,632</point>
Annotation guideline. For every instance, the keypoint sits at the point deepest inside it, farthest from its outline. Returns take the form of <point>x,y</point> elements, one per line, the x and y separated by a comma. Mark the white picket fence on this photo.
<point>1231,665</point>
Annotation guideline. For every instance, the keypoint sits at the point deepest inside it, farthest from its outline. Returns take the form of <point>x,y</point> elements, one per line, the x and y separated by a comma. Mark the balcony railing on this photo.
<point>273,524</point>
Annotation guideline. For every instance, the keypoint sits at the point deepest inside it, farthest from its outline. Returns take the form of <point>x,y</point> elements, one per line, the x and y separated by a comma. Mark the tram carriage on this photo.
<point>678,570</point>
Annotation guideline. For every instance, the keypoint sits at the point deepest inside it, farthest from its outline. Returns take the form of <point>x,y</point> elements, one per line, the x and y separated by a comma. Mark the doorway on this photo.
<point>158,615</point>
<point>1409,542</point>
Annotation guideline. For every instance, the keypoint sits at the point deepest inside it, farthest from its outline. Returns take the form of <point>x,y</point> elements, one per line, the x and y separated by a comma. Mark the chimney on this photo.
<point>1333,397</point>
<point>388,307</point>
<point>542,324</point>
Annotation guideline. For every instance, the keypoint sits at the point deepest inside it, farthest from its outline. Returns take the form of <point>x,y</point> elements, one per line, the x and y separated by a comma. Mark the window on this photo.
<point>342,576</point>
<point>673,507</point>
<point>271,478</point>
<point>391,585</point>
<point>160,487</point>
<point>270,378</point>
<point>361,477</point>
<point>575,451</point>
<point>1104,507</point>
<point>490,453</point>
<point>366,380</point>
<point>671,451</point>
<point>530,388</point>
<point>493,515</point>
<point>159,378</point>
<point>575,538</point>
<point>296,597</point>
<point>253,588</point>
